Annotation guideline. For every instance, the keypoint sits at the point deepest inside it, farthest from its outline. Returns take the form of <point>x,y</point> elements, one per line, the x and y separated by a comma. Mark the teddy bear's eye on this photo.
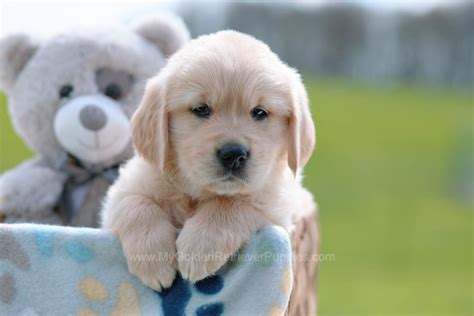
<point>65,91</point>
<point>113,91</point>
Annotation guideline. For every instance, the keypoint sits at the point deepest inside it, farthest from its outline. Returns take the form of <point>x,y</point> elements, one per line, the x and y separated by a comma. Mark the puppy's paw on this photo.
<point>157,276</point>
<point>200,254</point>
<point>152,261</point>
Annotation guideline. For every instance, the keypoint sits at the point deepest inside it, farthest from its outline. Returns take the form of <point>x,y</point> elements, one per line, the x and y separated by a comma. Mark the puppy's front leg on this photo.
<point>213,234</point>
<point>148,240</point>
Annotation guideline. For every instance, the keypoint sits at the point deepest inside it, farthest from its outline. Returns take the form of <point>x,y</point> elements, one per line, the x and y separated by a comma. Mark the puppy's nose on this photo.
<point>232,156</point>
<point>92,117</point>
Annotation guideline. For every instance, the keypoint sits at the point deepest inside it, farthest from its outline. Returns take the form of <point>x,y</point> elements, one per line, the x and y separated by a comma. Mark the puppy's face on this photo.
<point>225,109</point>
<point>229,132</point>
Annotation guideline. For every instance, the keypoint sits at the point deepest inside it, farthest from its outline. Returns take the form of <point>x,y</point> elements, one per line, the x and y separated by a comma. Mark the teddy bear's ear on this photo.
<point>15,52</point>
<point>166,30</point>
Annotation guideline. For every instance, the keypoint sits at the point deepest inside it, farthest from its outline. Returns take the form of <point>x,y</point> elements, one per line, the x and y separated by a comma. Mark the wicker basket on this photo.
<point>305,243</point>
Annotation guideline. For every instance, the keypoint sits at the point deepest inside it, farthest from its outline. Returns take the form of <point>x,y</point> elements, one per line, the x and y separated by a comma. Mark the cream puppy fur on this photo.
<point>221,134</point>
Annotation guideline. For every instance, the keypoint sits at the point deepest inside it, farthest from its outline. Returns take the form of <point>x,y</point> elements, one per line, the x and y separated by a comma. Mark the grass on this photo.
<point>387,173</point>
<point>12,149</point>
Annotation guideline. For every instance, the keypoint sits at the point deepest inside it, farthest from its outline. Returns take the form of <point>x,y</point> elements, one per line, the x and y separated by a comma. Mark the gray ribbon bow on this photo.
<point>83,191</point>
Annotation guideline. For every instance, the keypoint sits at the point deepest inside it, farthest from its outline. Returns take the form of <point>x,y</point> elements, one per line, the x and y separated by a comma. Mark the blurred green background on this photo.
<point>393,177</point>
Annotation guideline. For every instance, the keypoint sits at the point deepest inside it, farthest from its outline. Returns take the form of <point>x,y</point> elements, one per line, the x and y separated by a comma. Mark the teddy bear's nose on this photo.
<point>92,117</point>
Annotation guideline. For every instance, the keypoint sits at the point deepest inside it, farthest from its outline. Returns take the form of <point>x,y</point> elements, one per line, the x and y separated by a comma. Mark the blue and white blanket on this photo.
<point>52,270</point>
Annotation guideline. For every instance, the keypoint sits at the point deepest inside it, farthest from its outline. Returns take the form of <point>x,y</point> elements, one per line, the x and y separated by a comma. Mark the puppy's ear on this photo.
<point>302,136</point>
<point>150,125</point>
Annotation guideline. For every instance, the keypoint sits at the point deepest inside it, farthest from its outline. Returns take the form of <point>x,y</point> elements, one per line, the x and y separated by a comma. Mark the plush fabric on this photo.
<point>72,96</point>
<point>52,270</point>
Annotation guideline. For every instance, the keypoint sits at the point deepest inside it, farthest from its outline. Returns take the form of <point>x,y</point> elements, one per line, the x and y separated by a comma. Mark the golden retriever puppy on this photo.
<point>220,134</point>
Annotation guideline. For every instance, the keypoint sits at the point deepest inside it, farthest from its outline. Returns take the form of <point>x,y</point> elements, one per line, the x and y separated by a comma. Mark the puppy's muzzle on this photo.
<point>232,157</point>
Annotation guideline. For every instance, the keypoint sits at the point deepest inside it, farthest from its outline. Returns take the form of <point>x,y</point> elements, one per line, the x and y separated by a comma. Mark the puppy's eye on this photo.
<point>65,91</point>
<point>259,113</point>
<point>113,91</point>
<point>201,110</point>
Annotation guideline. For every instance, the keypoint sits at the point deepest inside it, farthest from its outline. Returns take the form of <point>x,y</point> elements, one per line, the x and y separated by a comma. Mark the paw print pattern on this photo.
<point>127,298</point>
<point>216,309</point>
<point>10,250</point>
<point>175,299</point>
<point>91,288</point>
<point>27,253</point>
<point>210,285</point>
<point>76,250</point>
<point>44,242</point>
<point>8,292</point>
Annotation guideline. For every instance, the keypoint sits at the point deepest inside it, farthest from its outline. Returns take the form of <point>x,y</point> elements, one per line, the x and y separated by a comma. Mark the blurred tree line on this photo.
<point>347,40</point>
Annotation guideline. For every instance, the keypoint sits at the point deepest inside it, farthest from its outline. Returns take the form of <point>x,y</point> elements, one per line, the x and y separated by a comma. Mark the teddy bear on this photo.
<point>71,98</point>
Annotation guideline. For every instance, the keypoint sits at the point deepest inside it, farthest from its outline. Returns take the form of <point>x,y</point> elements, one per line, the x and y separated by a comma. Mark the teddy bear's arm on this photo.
<point>30,191</point>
